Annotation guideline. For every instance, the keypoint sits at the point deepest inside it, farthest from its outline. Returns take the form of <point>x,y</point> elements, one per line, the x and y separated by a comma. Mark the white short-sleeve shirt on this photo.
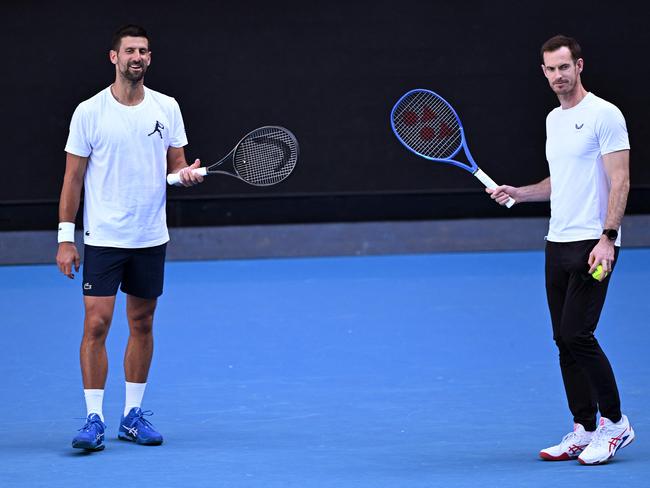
<point>576,139</point>
<point>126,146</point>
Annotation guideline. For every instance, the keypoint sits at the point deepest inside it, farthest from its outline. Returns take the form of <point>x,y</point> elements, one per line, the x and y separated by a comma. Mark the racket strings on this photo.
<point>439,139</point>
<point>427,125</point>
<point>266,156</point>
<point>423,134</point>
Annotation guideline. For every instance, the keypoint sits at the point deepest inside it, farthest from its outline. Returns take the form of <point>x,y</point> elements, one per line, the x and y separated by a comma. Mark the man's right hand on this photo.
<point>66,256</point>
<point>502,193</point>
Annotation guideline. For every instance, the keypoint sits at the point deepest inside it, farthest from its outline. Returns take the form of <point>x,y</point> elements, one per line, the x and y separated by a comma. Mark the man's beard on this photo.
<point>136,76</point>
<point>565,88</point>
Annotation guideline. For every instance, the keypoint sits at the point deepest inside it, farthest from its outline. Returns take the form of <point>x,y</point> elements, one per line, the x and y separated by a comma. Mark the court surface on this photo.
<point>393,371</point>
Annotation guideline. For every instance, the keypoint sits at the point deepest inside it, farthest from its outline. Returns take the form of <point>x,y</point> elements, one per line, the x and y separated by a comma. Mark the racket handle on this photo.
<point>489,183</point>
<point>175,180</point>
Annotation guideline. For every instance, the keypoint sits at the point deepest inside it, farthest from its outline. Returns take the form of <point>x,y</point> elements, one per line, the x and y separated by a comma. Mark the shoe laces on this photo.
<point>139,418</point>
<point>577,438</point>
<point>602,435</point>
<point>571,437</point>
<point>88,425</point>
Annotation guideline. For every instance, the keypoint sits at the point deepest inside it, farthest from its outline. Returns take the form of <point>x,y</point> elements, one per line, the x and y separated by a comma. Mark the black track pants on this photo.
<point>575,301</point>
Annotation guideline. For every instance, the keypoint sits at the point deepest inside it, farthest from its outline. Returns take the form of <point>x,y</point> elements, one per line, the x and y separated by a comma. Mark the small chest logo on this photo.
<point>157,128</point>
<point>578,127</point>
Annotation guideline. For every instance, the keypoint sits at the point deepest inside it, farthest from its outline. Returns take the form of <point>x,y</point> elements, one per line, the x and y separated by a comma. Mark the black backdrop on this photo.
<point>329,71</point>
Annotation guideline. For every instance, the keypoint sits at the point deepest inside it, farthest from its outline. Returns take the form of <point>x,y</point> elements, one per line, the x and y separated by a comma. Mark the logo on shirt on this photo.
<point>577,127</point>
<point>158,127</point>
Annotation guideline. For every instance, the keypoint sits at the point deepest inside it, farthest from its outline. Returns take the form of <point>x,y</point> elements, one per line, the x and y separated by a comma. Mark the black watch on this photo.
<point>612,234</point>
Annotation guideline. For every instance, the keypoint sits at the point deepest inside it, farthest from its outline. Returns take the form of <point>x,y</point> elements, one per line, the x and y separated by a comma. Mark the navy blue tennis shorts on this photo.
<point>140,272</point>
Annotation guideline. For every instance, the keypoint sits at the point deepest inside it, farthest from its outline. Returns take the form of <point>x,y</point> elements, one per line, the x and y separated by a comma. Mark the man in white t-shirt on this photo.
<point>587,150</point>
<point>122,143</point>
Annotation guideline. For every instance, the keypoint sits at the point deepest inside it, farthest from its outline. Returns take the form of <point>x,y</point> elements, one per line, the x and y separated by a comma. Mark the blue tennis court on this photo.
<point>392,371</point>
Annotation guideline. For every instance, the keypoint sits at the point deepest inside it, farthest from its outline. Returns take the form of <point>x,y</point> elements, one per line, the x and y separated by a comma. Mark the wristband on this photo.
<point>66,232</point>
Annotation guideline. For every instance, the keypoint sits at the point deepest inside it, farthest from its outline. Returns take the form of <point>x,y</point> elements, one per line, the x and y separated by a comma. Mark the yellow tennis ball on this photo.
<point>599,271</point>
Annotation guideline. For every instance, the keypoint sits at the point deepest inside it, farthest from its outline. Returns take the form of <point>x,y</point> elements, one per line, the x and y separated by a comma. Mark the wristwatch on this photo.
<point>612,234</point>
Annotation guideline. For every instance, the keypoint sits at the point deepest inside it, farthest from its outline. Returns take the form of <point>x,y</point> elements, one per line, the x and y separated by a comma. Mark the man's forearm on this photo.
<point>539,192</point>
<point>69,205</point>
<point>71,190</point>
<point>617,203</point>
<point>617,166</point>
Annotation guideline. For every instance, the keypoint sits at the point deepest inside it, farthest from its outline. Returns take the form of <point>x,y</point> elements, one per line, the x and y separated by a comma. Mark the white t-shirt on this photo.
<point>576,139</point>
<point>126,146</point>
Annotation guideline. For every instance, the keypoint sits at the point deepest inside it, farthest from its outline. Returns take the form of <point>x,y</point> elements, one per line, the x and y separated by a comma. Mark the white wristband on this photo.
<point>66,232</point>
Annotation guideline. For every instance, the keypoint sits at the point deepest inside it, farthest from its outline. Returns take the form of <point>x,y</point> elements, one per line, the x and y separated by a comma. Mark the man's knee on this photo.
<point>579,341</point>
<point>141,324</point>
<point>140,314</point>
<point>96,326</point>
<point>99,314</point>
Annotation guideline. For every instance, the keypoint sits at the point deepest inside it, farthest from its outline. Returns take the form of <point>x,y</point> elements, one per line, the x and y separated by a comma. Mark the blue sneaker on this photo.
<point>91,435</point>
<point>135,428</point>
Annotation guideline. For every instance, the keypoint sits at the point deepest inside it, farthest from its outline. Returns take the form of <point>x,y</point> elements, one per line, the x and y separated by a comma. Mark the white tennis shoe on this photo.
<point>570,447</point>
<point>607,440</point>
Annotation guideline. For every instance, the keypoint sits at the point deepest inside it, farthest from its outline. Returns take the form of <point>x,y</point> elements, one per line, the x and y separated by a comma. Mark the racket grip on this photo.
<point>489,183</point>
<point>175,180</point>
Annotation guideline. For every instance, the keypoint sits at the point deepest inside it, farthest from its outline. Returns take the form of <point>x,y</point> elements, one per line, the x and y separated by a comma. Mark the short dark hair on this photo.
<point>129,30</point>
<point>556,42</point>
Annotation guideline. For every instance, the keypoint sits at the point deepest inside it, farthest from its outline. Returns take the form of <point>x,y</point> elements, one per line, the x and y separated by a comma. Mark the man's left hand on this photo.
<point>603,254</point>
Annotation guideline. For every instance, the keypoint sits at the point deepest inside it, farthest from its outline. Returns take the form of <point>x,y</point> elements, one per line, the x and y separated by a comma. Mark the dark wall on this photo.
<point>329,71</point>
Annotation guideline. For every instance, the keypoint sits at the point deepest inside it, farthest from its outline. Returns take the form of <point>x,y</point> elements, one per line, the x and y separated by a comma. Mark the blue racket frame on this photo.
<point>472,168</point>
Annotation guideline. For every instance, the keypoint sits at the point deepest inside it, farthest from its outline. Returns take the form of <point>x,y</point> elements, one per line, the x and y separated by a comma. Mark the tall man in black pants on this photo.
<point>587,149</point>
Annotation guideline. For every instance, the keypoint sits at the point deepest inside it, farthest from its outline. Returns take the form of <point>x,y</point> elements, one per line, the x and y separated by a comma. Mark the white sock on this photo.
<point>94,401</point>
<point>134,394</point>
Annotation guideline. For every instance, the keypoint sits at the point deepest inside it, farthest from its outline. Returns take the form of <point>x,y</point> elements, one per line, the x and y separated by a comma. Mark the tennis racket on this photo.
<point>263,157</point>
<point>429,126</point>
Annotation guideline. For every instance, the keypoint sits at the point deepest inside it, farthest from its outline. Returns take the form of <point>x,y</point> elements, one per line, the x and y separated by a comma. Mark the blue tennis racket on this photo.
<point>429,126</point>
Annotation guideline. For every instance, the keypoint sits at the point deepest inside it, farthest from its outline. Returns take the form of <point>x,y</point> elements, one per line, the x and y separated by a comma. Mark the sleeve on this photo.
<point>78,141</point>
<point>612,131</point>
<point>177,136</point>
